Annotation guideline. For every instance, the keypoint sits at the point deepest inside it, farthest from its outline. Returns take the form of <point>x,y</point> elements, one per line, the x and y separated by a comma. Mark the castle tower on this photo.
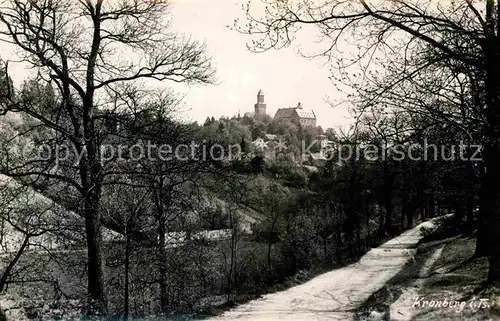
<point>260,106</point>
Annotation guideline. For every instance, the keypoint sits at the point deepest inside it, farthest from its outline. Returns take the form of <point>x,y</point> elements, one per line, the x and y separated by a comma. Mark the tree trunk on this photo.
<point>162,257</point>
<point>96,296</point>
<point>492,149</point>
<point>409,213</point>
<point>13,262</point>
<point>96,301</point>
<point>432,207</point>
<point>234,252</point>
<point>269,247</point>
<point>325,247</point>
<point>471,193</point>
<point>470,209</point>
<point>90,174</point>
<point>338,246</point>
<point>161,198</point>
<point>388,207</point>
<point>232,262</point>
<point>162,271</point>
<point>482,244</point>
<point>492,222</point>
<point>126,308</point>
<point>494,270</point>
<point>388,214</point>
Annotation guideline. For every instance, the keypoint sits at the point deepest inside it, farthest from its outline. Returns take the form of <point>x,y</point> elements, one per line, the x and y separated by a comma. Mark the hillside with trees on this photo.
<point>100,219</point>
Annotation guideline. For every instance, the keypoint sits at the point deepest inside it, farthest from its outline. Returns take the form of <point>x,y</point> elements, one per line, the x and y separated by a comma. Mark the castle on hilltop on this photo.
<point>305,117</point>
<point>260,106</point>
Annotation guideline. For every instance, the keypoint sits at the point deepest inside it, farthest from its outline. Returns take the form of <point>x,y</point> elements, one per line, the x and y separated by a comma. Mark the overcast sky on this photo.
<point>283,75</point>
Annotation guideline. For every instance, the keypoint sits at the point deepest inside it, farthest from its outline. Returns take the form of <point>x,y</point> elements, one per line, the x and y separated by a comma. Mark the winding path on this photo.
<point>333,295</point>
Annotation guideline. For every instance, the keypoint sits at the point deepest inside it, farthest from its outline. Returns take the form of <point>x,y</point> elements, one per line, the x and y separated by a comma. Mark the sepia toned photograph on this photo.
<point>250,160</point>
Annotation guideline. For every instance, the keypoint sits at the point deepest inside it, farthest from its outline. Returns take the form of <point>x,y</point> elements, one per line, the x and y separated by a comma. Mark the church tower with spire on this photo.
<point>260,106</point>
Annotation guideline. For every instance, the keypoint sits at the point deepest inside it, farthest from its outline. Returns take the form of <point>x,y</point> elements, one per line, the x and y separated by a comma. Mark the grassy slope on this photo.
<point>442,270</point>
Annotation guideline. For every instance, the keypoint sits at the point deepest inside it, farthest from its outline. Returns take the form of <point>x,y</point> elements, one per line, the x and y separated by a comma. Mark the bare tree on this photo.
<point>460,32</point>
<point>230,254</point>
<point>28,221</point>
<point>93,51</point>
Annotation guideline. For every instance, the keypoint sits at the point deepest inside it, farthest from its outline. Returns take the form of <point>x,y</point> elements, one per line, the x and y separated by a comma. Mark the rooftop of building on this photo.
<point>299,110</point>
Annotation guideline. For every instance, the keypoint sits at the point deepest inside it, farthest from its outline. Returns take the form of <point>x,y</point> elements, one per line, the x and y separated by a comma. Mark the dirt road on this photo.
<point>333,295</point>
